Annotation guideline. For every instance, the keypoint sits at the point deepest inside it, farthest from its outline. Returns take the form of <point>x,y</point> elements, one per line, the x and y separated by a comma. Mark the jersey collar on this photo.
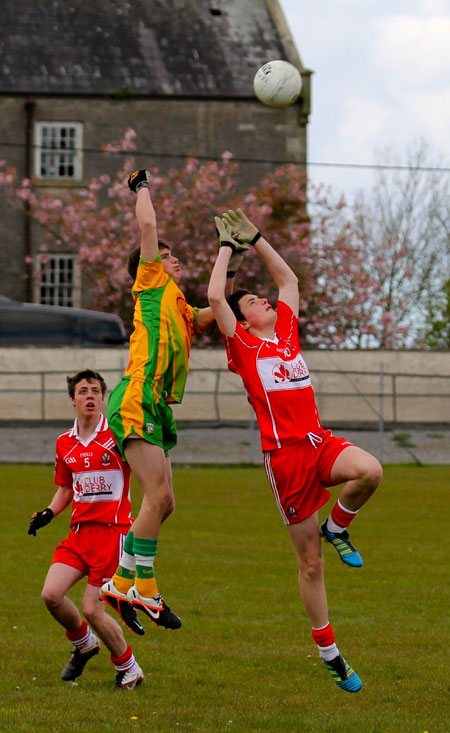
<point>275,339</point>
<point>100,427</point>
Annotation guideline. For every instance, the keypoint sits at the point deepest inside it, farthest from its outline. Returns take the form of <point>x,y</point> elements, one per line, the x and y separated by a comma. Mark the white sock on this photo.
<point>128,561</point>
<point>333,527</point>
<point>147,561</point>
<point>328,652</point>
<point>88,641</point>
<point>128,666</point>
<point>338,528</point>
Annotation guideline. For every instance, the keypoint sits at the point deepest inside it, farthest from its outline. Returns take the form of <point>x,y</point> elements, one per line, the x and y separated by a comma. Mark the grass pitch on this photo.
<point>244,659</point>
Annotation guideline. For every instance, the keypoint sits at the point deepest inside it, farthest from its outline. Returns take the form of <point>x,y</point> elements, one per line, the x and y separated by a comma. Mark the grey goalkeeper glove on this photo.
<point>240,227</point>
<point>226,240</point>
<point>234,264</point>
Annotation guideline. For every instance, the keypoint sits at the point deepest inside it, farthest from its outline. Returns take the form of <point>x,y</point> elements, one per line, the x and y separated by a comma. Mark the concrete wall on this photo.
<point>416,384</point>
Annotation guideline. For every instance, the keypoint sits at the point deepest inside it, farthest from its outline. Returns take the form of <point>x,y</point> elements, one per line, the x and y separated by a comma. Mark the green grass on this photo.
<point>244,659</point>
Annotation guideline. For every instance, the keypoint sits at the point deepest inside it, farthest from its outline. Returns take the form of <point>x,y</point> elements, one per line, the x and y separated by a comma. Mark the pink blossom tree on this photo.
<point>98,222</point>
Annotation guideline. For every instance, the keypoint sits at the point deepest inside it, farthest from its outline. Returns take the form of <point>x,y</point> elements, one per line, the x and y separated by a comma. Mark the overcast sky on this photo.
<point>381,77</point>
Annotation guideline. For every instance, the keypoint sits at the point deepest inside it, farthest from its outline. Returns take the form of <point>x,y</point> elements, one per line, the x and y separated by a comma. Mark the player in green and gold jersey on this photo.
<point>138,410</point>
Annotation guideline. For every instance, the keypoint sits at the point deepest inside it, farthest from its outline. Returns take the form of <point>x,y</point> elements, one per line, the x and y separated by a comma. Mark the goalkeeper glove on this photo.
<point>139,179</point>
<point>39,520</point>
<point>240,227</point>
<point>226,240</point>
<point>234,264</point>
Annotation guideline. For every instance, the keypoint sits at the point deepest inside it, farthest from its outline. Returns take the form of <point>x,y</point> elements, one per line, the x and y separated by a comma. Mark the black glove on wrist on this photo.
<point>39,520</point>
<point>138,180</point>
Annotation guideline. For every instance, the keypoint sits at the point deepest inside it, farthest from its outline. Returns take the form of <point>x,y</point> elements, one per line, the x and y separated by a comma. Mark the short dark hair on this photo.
<point>135,256</point>
<point>89,375</point>
<point>233,302</point>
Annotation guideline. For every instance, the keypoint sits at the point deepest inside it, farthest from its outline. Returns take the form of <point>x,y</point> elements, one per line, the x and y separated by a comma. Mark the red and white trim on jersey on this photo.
<point>277,381</point>
<point>100,480</point>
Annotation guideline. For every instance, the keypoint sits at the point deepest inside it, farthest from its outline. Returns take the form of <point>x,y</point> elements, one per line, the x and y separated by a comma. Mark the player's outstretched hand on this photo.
<point>241,228</point>
<point>225,238</point>
<point>40,519</point>
<point>139,179</point>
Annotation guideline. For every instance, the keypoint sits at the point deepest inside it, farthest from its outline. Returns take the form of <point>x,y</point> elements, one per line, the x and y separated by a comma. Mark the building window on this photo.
<point>58,280</point>
<point>58,150</point>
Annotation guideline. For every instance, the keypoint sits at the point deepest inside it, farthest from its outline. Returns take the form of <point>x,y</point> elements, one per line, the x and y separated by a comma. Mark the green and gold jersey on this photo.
<point>164,327</point>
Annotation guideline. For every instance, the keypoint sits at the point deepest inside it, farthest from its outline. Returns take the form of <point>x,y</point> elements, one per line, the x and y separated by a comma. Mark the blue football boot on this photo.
<point>344,548</point>
<point>344,676</point>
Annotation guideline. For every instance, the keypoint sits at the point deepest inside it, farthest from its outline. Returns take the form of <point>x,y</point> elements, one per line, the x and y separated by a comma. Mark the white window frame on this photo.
<point>58,151</point>
<point>59,289</point>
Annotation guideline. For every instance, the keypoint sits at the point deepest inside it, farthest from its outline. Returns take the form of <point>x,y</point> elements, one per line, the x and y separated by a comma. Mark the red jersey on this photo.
<point>99,478</point>
<point>277,381</point>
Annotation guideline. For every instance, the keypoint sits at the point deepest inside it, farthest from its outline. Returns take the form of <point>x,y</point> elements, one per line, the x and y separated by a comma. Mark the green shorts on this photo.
<point>133,408</point>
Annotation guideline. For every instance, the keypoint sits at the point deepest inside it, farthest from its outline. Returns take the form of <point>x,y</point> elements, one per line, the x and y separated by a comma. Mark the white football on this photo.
<point>277,84</point>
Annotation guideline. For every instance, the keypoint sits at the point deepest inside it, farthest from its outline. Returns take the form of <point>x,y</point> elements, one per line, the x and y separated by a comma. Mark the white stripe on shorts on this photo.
<point>273,485</point>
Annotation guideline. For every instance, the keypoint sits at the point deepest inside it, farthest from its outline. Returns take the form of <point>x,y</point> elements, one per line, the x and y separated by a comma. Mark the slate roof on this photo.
<point>194,48</point>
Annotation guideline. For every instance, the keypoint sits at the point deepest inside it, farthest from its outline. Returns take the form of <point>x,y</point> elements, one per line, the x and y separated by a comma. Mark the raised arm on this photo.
<point>145,214</point>
<point>219,286</point>
<point>285,278</point>
<point>243,230</point>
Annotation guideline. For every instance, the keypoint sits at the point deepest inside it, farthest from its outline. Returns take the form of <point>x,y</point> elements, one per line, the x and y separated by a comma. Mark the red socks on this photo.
<point>125,662</point>
<point>323,637</point>
<point>341,516</point>
<point>83,637</point>
<point>326,645</point>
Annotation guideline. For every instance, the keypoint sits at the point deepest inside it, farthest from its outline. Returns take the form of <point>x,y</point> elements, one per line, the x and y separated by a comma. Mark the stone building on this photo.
<point>74,74</point>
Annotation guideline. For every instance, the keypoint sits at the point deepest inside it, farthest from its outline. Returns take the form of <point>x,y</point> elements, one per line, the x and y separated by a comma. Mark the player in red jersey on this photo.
<point>301,458</point>
<point>91,475</point>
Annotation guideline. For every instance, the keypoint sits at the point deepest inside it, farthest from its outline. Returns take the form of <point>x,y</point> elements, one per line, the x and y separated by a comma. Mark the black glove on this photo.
<point>139,179</point>
<point>40,519</point>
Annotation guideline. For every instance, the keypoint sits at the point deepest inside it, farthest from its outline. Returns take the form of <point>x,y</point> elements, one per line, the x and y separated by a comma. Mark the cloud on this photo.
<point>366,125</point>
<point>410,55</point>
<point>430,111</point>
<point>434,7</point>
<point>363,120</point>
<point>412,50</point>
<point>381,78</point>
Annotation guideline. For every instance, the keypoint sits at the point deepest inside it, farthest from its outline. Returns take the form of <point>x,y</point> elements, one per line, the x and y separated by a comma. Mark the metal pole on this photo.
<point>251,435</point>
<point>394,397</point>
<point>380,412</point>
<point>42,396</point>
<point>216,395</point>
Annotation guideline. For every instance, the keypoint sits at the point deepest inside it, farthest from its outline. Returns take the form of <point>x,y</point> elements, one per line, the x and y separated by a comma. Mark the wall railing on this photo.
<point>215,394</point>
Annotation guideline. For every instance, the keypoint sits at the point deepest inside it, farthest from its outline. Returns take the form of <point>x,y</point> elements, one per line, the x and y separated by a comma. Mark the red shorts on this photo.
<point>298,474</point>
<point>94,549</point>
